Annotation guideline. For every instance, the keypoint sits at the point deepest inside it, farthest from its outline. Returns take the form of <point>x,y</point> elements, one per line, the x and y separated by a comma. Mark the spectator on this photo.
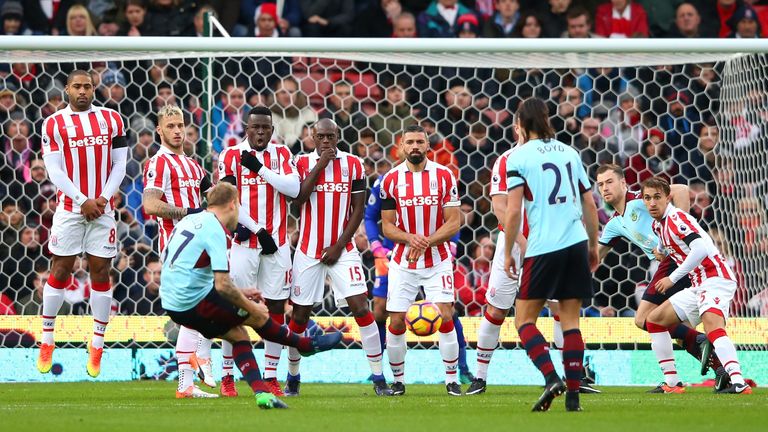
<point>554,18</point>
<point>170,18</point>
<point>661,15</point>
<point>440,18</point>
<point>12,15</point>
<point>473,292</point>
<point>79,22</point>
<point>17,154</point>
<point>621,19</point>
<point>503,20</point>
<point>328,18</point>
<point>108,25</point>
<point>678,124</point>
<point>9,103</point>
<point>145,294</point>
<point>288,19</point>
<point>142,151</point>
<point>11,223</point>
<point>745,23</point>
<point>578,24</point>
<point>135,12</point>
<point>366,144</point>
<point>290,111</point>
<point>404,26</point>
<point>343,108</point>
<point>19,266</point>
<point>474,154</point>
<point>529,26</point>
<point>112,93</point>
<point>376,20</point>
<point>653,160</point>
<point>393,114</point>
<point>192,142</point>
<point>468,26</point>
<point>198,22</point>
<point>687,22</point>
<point>227,116</point>
<point>592,147</point>
<point>38,187</point>
<point>453,121</point>
<point>624,128</point>
<point>701,162</point>
<point>567,121</point>
<point>265,21</point>
<point>701,204</point>
<point>716,15</point>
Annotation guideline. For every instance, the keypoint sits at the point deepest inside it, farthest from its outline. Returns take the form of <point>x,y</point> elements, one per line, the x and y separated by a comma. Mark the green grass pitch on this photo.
<point>150,406</point>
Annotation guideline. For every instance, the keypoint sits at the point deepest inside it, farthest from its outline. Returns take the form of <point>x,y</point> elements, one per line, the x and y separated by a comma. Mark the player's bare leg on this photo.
<point>448,343</point>
<point>526,315</point>
<point>101,304</point>
<point>272,350</point>
<point>53,298</point>
<point>396,349</point>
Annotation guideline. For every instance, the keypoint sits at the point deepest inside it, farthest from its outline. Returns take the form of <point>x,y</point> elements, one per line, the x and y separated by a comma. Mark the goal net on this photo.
<point>696,117</point>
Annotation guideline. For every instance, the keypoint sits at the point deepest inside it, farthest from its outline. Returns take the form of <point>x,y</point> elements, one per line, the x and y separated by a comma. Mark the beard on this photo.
<point>416,159</point>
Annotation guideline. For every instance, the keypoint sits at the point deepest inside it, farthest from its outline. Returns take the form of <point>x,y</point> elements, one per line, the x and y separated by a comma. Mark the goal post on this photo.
<point>695,111</point>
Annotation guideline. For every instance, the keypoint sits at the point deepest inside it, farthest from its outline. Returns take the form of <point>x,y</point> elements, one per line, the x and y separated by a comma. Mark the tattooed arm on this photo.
<point>152,199</point>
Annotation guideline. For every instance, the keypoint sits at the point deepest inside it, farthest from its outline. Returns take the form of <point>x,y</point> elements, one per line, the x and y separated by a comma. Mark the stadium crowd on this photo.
<point>652,120</point>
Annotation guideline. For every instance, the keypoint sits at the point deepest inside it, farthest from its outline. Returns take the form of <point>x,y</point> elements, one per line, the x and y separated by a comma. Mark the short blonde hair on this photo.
<point>168,111</point>
<point>90,29</point>
<point>222,194</point>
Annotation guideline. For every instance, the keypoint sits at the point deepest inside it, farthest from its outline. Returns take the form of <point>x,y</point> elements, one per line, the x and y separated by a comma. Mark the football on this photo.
<point>423,318</point>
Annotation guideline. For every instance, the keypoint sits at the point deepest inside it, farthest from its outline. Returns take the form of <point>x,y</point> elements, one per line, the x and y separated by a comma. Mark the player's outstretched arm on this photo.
<point>680,196</point>
<point>152,200</point>
<point>452,218</point>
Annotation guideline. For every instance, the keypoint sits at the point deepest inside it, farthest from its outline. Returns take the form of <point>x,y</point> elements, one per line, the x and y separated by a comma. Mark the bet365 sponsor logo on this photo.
<point>252,181</point>
<point>419,201</point>
<point>332,187</point>
<point>189,183</point>
<point>90,141</point>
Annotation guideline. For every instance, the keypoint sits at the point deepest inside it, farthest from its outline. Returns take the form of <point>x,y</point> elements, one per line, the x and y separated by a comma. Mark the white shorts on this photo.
<point>713,293</point>
<point>347,278</point>
<point>269,273</point>
<point>404,285</point>
<point>501,289</point>
<point>72,235</point>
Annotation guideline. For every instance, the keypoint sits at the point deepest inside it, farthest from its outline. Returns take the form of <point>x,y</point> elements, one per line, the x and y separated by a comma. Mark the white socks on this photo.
<point>52,301</point>
<point>449,351</point>
<point>487,340</point>
<point>396,349</point>
<point>661,344</point>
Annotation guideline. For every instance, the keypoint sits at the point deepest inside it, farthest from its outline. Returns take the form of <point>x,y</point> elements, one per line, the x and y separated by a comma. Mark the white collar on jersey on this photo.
<point>166,150</point>
<point>68,110</point>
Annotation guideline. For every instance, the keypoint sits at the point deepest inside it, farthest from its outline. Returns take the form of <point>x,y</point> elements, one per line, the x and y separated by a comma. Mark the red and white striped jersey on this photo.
<point>674,228</point>
<point>325,215</point>
<point>266,205</point>
<point>178,177</point>
<point>85,141</point>
<point>499,186</point>
<point>419,199</point>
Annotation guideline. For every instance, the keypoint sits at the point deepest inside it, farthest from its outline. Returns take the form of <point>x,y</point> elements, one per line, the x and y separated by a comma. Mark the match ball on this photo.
<point>423,318</point>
